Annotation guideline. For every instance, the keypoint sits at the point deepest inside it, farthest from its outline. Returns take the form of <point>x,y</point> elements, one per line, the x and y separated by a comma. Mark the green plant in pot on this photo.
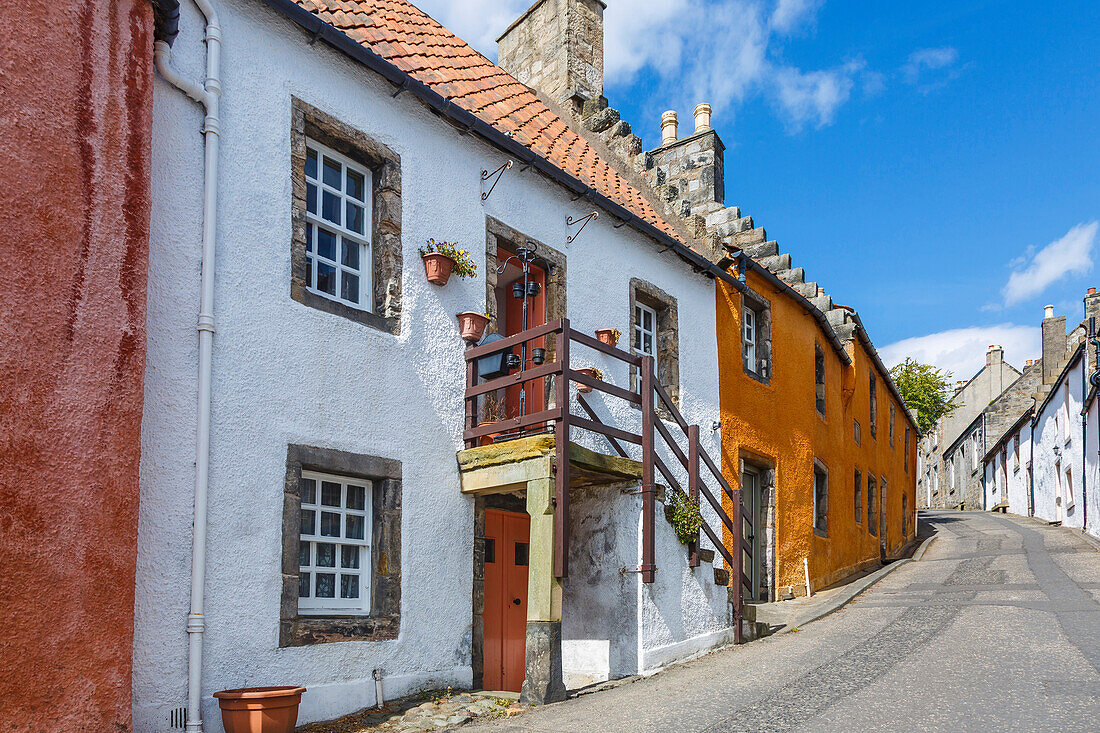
<point>683,514</point>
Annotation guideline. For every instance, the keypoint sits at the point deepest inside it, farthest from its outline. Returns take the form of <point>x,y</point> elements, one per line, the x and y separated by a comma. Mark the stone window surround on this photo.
<point>763,309</point>
<point>497,235</point>
<point>668,339</point>
<point>385,232</point>
<point>384,621</point>
<point>819,380</point>
<point>821,531</point>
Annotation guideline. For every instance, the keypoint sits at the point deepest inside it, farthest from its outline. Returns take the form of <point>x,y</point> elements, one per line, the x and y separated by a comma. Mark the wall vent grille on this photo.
<point>177,718</point>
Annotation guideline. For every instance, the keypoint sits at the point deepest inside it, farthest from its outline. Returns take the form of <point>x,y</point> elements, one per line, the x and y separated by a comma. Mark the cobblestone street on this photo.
<point>997,627</point>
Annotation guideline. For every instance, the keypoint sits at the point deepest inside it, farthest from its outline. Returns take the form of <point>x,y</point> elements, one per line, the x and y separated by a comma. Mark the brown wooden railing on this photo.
<point>561,421</point>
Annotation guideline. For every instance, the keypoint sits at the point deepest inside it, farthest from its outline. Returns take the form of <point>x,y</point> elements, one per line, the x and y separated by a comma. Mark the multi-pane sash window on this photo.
<point>748,324</point>
<point>338,215</point>
<point>645,331</point>
<point>334,550</point>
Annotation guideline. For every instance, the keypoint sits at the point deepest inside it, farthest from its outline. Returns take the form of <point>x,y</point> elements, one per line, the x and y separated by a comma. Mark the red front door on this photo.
<point>513,324</point>
<point>507,535</point>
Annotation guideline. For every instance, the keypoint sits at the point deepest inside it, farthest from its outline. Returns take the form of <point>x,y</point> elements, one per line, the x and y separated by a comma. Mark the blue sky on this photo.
<point>935,165</point>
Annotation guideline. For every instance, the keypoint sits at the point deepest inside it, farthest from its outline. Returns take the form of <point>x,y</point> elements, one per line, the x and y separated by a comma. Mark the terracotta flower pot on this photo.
<point>487,439</point>
<point>260,709</point>
<point>438,268</point>
<point>472,325</point>
<point>591,372</point>
<point>608,336</point>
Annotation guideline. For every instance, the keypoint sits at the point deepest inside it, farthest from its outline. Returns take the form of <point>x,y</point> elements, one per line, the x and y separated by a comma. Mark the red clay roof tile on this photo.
<point>415,43</point>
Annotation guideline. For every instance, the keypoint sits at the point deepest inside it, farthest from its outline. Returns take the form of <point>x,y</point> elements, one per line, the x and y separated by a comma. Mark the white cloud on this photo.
<point>1035,271</point>
<point>928,59</point>
<point>789,15</point>
<point>814,96</point>
<point>962,351</point>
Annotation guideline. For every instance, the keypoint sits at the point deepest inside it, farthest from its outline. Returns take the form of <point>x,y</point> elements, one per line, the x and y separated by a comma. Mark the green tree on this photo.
<point>926,390</point>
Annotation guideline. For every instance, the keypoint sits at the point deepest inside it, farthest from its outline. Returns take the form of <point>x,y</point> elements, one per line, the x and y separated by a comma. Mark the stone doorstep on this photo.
<point>420,713</point>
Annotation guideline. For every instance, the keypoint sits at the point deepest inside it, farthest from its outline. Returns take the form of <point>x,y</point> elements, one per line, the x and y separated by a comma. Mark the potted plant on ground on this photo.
<point>492,411</point>
<point>471,325</point>
<point>443,258</point>
<point>260,709</point>
<point>591,372</point>
<point>609,336</point>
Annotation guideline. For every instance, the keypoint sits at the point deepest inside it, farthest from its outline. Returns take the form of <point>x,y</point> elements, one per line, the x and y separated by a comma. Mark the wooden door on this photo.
<point>754,566</point>
<point>507,537</point>
<point>513,324</point>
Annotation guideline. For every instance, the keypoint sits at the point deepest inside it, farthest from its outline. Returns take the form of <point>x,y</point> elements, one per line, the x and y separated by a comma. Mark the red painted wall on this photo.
<point>75,100</point>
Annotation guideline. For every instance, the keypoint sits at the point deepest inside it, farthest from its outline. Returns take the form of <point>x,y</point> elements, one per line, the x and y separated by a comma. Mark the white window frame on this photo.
<point>640,332</point>
<point>337,605</point>
<point>314,220</point>
<point>748,338</point>
<point>1069,489</point>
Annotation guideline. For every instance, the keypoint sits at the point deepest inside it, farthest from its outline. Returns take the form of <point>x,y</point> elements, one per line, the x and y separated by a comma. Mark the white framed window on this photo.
<point>1069,489</point>
<point>338,219</point>
<point>334,551</point>
<point>974,451</point>
<point>645,331</point>
<point>748,324</point>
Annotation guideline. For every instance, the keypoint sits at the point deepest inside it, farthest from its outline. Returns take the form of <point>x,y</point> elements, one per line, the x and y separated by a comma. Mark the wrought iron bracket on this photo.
<point>486,175</point>
<point>583,221</point>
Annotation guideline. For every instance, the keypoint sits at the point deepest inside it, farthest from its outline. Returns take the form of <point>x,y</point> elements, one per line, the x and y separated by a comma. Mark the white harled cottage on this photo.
<point>331,528</point>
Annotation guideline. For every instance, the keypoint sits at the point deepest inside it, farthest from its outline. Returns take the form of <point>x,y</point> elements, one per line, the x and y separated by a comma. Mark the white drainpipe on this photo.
<point>208,96</point>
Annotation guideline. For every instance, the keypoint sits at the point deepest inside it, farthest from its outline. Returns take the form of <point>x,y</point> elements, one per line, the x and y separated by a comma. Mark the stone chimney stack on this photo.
<point>1054,344</point>
<point>995,356</point>
<point>668,127</point>
<point>556,47</point>
<point>689,172</point>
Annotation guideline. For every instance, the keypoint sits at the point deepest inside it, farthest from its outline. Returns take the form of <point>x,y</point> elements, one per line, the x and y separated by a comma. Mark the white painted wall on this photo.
<point>285,373</point>
<point>1091,449</point>
<point>1056,454</point>
<point>1005,477</point>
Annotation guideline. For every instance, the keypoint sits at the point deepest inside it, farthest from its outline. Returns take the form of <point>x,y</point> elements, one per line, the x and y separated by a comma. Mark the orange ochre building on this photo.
<point>813,432</point>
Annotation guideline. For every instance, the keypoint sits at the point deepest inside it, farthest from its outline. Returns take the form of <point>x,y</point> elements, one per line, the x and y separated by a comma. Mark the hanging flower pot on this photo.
<point>260,709</point>
<point>471,325</point>
<point>443,258</point>
<point>438,268</point>
<point>609,336</point>
<point>591,372</point>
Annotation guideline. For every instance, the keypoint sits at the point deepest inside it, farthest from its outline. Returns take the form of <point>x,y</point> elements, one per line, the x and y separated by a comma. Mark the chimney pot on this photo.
<point>1048,311</point>
<point>1092,291</point>
<point>668,127</point>
<point>702,117</point>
